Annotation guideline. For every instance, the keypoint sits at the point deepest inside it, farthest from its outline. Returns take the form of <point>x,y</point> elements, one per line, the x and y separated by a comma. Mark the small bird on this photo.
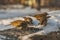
<point>42,18</point>
<point>19,23</point>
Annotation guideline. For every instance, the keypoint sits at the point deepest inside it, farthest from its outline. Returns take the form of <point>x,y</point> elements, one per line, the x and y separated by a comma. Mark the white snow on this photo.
<point>9,13</point>
<point>2,37</point>
<point>3,27</point>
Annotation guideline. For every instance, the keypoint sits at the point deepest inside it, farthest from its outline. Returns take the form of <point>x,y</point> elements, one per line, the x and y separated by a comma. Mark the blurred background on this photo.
<point>34,4</point>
